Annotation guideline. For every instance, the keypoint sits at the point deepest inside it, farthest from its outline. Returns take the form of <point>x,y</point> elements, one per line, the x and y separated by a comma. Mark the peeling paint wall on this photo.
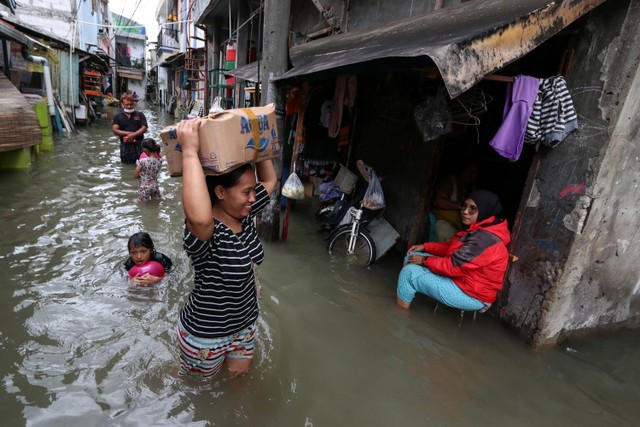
<point>46,16</point>
<point>578,246</point>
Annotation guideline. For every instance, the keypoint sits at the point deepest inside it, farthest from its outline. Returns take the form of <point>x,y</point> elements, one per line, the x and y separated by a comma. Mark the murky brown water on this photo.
<point>79,347</point>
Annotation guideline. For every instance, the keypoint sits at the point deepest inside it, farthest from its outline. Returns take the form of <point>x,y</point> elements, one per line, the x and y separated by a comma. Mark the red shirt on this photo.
<point>475,259</point>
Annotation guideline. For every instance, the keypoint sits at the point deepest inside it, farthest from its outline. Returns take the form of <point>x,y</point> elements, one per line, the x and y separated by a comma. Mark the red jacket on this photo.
<point>475,259</point>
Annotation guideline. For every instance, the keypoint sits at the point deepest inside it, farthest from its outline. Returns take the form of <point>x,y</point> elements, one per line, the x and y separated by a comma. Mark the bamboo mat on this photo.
<point>19,125</point>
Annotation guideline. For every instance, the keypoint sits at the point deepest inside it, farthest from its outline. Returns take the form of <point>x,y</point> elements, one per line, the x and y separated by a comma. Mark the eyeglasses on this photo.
<point>472,208</point>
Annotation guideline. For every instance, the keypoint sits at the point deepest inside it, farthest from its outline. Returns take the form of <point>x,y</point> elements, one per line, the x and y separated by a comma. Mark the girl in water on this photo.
<point>147,170</point>
<point>141,251</point>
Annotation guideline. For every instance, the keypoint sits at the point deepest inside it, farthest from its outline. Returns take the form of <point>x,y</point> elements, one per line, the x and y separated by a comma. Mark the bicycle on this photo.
<point>354,241</point>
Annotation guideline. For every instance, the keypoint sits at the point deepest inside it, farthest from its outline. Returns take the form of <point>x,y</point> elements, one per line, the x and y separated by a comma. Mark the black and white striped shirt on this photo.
<point>223,300</point>
<point>553,116</point>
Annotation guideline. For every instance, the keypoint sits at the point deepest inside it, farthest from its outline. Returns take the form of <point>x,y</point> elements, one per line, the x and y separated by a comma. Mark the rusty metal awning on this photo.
<point>249,72</point>
<point>9,32</point>
<point>94,59</point>
<point>173,61</point>
<point>466,42</point>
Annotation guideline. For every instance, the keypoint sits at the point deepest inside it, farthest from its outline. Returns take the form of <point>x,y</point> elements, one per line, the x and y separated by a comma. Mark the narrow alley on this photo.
<point>80,346</point>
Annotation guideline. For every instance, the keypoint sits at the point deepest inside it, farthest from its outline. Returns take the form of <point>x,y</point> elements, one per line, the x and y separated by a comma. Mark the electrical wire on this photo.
<point>131,18</point>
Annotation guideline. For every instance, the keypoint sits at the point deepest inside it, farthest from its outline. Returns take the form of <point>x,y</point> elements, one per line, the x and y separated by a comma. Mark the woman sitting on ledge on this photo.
<point>467,272</point>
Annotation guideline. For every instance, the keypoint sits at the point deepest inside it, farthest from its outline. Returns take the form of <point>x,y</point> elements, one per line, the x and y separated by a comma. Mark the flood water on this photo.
<point>80,347</point>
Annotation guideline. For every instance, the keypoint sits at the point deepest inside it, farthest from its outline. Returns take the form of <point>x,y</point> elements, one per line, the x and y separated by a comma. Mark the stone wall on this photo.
<point>573,273</point>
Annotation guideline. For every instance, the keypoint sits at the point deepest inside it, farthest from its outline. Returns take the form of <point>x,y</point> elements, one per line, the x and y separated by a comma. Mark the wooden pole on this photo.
<point>294,156</point>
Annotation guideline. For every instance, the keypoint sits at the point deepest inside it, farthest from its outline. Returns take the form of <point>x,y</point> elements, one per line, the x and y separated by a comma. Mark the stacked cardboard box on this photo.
<point>227,140</point>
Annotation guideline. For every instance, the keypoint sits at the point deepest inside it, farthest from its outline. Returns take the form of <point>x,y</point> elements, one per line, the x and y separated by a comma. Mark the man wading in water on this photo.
<point>130,125</point>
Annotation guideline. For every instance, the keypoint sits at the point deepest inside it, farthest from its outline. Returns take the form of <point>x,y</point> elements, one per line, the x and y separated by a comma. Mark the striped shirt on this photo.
<point>223,300</point>
<point>553,117</point>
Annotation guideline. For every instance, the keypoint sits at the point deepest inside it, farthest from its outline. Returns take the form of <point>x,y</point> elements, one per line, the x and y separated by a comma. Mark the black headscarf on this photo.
<point>487,202</point>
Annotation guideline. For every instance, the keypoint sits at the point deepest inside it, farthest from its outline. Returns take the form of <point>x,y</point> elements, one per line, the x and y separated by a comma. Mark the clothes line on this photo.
<point>188,21</point>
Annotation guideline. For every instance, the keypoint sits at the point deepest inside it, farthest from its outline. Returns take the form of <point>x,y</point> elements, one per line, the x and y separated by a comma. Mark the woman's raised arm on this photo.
<point>195,196</point>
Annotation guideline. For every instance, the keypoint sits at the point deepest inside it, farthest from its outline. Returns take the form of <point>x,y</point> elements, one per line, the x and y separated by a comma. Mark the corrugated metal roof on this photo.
<point>7,31</point>
<point>466,42</point>
<point>247,72</point>
<point>172,61</point>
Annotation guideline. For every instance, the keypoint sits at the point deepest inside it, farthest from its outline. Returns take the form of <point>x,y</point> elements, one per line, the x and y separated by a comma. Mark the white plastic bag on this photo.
<point>374,197</point>
<point>293,188</point>
<point>215,106</point>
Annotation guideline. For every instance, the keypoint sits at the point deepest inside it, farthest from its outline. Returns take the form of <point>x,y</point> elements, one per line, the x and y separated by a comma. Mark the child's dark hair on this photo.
<point>226,180</point>
<point>151,145</point>
<point>140,239</point>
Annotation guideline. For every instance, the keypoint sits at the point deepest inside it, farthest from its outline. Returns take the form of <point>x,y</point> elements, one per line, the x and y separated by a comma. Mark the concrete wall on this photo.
<point>139,87</point>
<point>599,285</point>
<point>575,269</point>
<point>136,44</point>
<point>48,17</point>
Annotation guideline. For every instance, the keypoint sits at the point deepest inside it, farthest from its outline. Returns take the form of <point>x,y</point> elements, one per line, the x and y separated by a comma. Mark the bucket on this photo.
<point>81,112</point>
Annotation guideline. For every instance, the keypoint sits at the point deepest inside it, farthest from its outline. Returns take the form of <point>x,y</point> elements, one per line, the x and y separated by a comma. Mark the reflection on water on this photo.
<point>82,347</point>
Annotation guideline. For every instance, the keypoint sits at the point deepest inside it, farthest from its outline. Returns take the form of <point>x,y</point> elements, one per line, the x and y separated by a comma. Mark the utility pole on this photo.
<point>275,48</point>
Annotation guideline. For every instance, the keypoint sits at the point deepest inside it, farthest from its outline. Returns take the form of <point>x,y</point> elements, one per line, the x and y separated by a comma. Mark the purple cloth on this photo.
<point>517,109</point>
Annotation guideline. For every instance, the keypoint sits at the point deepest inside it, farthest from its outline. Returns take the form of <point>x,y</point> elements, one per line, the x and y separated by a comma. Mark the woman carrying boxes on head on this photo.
<point>218,322</point>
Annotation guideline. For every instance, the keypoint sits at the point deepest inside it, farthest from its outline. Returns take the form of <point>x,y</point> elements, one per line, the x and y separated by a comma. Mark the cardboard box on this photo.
<point>172,150</point>
<point>227,140</point>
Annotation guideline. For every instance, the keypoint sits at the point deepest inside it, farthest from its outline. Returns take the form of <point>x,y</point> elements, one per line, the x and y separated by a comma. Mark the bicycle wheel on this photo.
<point>364,252</point>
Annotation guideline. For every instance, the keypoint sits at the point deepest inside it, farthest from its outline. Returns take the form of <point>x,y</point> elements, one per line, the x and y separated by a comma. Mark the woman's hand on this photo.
<point>416,259</point>
<point>188,135</point>
<point>416,248</point>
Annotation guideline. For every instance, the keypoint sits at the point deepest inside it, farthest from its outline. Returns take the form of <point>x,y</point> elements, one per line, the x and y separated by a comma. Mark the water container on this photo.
<point>81,112</point>
<point>231,52</point>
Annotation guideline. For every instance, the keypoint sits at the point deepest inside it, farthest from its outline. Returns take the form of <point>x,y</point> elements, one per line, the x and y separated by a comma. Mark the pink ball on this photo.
<point>154,268</point>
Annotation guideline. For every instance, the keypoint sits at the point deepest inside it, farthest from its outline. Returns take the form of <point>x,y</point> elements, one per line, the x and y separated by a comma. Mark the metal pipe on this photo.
<point>47,78</point>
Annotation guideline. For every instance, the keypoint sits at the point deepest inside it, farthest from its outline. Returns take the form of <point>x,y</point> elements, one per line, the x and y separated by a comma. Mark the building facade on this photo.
<point>573,217</point>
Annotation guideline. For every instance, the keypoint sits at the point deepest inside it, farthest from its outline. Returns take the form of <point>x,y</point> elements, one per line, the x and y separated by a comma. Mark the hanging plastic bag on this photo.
<point>374,197</point>
<point>215,106</point>
<point>293,188</point>
<point>433,116</point>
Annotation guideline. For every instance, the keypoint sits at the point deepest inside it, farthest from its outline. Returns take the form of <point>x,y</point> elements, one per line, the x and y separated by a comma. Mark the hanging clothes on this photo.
<point>319,149</point>
<point>553,117</point>
<point>344,95</point>
<point>521,95</point>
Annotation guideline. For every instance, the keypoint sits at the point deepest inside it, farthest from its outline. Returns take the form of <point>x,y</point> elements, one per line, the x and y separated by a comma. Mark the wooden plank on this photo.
<point>294,157</point>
